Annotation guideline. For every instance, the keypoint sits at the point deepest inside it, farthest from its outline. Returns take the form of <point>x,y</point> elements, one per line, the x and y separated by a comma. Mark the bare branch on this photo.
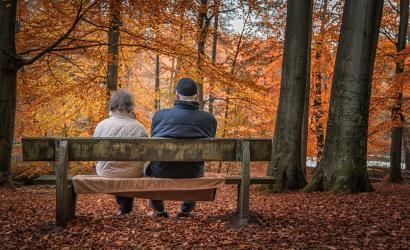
<point>394,7</point>
<point>52,47</point>
<point>388,36</point>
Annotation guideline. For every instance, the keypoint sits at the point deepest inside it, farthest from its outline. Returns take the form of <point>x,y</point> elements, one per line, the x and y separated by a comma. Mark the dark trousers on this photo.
<point>174,170</point>
<point>125,203</point>
<point>186,206</point>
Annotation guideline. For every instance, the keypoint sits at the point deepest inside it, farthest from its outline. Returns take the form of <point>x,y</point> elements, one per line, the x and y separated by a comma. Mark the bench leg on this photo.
<point>72,200</point>
<point>62,191</point>
<point>238,198</point>
<point>243,189</point>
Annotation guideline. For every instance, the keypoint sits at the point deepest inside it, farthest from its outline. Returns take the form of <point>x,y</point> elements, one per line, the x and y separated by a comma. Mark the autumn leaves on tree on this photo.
<point>270,76</point>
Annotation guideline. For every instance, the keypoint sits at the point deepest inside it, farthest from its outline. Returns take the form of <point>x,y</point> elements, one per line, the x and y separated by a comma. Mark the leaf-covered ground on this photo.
<point>378,220</point>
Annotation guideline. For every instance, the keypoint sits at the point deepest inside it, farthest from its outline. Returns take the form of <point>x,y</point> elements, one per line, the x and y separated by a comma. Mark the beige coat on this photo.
<point>120,124</point>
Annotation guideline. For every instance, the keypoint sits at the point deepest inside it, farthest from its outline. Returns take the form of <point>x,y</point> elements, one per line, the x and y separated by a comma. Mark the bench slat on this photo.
<point>146,149</point>
<point>230,180</point>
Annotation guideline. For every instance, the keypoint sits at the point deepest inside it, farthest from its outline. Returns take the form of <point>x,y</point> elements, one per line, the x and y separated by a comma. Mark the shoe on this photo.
<point>182,214</point>
<point>157,214</point>
<point>122,213</point>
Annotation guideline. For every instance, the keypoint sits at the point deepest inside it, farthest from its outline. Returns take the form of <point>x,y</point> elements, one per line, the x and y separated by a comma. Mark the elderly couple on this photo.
<point>184,120</point>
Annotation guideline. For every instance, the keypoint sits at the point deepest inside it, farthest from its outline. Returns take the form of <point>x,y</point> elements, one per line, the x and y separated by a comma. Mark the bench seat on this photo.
<point>196,189</point>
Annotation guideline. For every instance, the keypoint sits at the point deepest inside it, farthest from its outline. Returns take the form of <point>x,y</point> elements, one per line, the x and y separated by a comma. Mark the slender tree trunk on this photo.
<point>157,102</point>
<point>396,112</point>
<point>177,69</point>
<point>286,163</point>
<point>343,167</point>
<point>318,110</point>
<point>8,86</point>
<point>305,125</point>
<point>228,90</point>
<point>171,83</point>
<point>203,26</point>
<point>213,56</point>
<point>113,44</point>
<point>406,145</point>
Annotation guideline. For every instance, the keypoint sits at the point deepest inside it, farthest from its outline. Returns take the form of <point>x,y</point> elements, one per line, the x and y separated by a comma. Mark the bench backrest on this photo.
<point>146,149</point>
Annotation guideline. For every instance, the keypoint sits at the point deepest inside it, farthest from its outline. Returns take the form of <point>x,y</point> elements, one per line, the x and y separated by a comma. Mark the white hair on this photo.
<point>186,98</point>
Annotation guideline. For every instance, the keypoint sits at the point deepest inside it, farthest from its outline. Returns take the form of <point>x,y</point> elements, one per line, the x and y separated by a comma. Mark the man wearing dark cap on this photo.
<point>183,121</point>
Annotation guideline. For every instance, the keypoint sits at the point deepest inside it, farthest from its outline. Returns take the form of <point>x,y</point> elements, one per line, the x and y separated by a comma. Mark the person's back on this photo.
<point>183,121</point>
<point>121,123</point>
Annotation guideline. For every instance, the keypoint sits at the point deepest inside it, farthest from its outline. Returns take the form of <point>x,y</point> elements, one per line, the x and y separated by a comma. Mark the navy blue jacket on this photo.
<point>183,121</point>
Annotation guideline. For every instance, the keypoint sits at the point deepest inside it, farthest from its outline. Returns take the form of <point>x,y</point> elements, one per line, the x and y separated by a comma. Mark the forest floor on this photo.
<point>377,220</point>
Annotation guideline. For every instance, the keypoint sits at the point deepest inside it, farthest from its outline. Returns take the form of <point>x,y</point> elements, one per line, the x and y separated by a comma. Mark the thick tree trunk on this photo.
<point>8,86</point>
<point>213,57</point>
<point>343,167</point>
<point>113,44</point>
<point>286,163</point>
<point>157,102</point>
<point>396,112</point>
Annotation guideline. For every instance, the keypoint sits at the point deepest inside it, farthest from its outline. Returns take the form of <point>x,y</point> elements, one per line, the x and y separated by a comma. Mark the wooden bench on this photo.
<point>63,150</point>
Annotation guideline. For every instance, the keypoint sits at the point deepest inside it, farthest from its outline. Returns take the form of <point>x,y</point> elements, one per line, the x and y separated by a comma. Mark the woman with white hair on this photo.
<point>121,123</point>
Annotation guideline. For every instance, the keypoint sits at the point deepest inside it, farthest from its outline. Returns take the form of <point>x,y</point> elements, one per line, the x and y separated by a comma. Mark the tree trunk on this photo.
<point>228,89</point>
<point>157,102</point>
<point>203,25</point>
<point>171,83</point>
<point>406,145</point>
<point>177,70</point>
<point>305,125</point>
<point>8,86</point>
<point>318,110</point>
<point>286,163</point>
<point>213,56</point>
<point>396,112</point>
<point>343,167</point>
<point>113,44</point>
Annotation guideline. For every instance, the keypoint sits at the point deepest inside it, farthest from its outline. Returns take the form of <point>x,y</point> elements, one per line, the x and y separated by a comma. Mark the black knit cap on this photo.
<point>186,87</point>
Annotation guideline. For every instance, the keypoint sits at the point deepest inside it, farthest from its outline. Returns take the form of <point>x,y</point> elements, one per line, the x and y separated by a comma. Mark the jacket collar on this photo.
<point>121,115</point>
<point>193,105</point>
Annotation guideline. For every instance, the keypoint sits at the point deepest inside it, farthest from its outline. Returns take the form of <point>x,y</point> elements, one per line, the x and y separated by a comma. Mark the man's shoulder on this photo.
<point>207,115</point>
<point>161,113</point>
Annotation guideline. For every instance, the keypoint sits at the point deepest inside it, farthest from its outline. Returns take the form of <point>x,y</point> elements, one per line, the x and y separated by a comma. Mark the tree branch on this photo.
<point>52,47</point>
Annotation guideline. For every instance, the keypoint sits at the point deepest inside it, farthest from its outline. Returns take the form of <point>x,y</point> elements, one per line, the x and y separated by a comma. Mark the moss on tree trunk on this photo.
<point>343,167</point>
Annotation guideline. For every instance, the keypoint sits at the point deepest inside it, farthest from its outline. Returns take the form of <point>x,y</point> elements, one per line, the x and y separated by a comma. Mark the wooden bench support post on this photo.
<point>62,192</point>
<point>243,209</point>
<point>71,201</point>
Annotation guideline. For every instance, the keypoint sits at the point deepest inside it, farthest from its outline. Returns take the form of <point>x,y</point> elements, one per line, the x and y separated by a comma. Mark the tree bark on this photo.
<point>286,163</point>
<point>203,26</point>
<point>157,102</point>
<point>396,112</point>
<point>171,84</point>
<point>213,56</point>
<point>305,125</point>
<point>406,145</point>
<point>344,167</point>
<point>8,86</point>
<point>318,110</point>
<point>113,44</point>
<point>10,63</point>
